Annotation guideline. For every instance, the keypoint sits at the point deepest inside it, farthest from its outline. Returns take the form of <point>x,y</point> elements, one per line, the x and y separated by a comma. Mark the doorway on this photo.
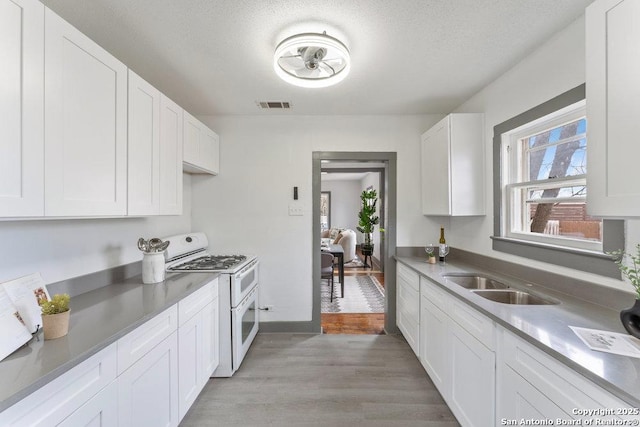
<point>380,169</point>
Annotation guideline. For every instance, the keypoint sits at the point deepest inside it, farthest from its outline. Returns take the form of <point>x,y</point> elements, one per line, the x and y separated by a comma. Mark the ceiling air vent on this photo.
<point>274,105</point>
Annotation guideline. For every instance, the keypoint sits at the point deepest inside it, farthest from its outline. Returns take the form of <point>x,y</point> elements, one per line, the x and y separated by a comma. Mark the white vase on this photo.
<point>153,267</point>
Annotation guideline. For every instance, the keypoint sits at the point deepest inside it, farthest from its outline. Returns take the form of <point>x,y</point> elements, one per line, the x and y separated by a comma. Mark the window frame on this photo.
<point>514,163</point>
<point>588,260</point>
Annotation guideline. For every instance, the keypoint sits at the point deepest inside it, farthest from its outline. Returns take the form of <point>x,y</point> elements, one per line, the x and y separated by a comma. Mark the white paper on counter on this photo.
<point>13,332</point>
<point>609,342</point>
<point>26,293</point>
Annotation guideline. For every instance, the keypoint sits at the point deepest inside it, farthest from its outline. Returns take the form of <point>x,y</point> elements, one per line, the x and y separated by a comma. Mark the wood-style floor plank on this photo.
<point>323,380</point>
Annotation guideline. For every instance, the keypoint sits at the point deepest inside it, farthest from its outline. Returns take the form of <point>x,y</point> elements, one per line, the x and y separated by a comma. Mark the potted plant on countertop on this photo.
<point>367,219</point>
<point>630,317</point>
<point>55,316</point>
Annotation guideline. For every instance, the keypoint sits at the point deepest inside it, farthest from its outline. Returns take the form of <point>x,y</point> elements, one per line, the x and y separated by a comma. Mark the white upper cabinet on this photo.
<point>143,148</point>
<point>21,115</point>
<point>453,166</point>
<point>613,106</point>
<point>85,125</point>
<point>201,147</point>
<point>171,137</point>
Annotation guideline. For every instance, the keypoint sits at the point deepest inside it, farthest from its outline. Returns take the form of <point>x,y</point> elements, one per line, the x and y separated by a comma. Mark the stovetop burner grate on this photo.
<point>211,262</point>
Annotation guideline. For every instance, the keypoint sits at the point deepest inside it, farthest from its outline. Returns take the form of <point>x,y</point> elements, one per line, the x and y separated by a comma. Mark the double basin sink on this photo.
<point>494,290</point>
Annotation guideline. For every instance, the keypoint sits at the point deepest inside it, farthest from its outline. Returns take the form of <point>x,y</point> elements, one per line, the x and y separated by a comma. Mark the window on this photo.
<point>540,189</point>
<point>545,188</point>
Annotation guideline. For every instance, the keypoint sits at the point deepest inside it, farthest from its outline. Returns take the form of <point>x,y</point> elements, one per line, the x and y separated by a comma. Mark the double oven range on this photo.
<point>238,293</point>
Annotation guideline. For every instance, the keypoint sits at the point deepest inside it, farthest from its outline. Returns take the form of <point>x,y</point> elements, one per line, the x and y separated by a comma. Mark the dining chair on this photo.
<point>326,269</point>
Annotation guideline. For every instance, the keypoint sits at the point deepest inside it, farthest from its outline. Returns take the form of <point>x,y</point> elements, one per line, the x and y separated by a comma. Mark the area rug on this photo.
<point>362,294</point>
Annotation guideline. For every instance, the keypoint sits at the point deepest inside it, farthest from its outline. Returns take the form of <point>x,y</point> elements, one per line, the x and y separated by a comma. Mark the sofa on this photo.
<point>343,237</point>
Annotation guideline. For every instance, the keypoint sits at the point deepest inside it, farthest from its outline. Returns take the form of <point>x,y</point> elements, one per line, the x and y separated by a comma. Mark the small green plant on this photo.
<point>58,304</point>
<point>632,271</point>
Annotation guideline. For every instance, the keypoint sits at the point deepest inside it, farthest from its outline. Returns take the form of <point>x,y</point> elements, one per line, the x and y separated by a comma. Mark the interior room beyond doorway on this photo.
<point>361,310</point>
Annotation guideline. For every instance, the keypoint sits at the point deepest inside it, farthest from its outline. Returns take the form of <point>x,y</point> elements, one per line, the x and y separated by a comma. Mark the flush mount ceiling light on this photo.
<point>312,60</point>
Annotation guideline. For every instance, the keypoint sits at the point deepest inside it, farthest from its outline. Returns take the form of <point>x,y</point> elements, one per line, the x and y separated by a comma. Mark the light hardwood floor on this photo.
<point>323,380</point>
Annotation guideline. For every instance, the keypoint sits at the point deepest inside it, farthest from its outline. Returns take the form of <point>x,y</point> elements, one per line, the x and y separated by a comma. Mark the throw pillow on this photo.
<point>338,237</point>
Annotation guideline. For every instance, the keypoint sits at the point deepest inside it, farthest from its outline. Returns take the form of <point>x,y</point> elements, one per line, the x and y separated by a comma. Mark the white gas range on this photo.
<point>238,293</point>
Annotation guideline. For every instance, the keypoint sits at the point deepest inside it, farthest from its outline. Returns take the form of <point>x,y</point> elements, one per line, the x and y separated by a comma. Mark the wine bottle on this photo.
<point>442,242</point>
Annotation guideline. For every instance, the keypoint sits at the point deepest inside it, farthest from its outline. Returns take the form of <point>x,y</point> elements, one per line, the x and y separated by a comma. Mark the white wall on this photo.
<point>245,208</point>
<point>555,67</point>
<point>62,249</point>
<point>345,202</point>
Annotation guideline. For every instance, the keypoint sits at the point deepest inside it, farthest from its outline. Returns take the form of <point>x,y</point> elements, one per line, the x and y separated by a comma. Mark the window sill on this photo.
<point>579,259</point>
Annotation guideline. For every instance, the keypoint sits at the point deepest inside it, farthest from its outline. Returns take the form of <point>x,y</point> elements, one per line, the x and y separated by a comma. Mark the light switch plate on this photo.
<point>295,209</point>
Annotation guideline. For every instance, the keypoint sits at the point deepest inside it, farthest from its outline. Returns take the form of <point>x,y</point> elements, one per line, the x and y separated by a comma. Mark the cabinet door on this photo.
<point>613,91</point>
<point>86,125</point>
<point>22,119</point>
<point>191,361</point>
<point>143,160</point>
<point>57,400</point>
<point>434,336</point>
<point>517,399</point>
<point>148,390</point>
<point>472,394</point>
<point>436,176</point>
<point>211,151</point>
<point>100,411</point>
<point>408,306</point>
<point>192,130</point>
<point>171,137</point>
<point>211,342</point>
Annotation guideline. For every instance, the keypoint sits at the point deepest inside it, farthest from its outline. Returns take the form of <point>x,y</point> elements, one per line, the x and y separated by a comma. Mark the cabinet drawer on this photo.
<point>54,402</point>
<point>137,343</point>
<point>559,383</point>
<point>194,303</point>
<point>433,293</point>
<point>409,276</point>
<point>474,322</point>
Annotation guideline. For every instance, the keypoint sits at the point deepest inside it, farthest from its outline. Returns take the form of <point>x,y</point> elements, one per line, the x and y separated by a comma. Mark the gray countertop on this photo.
<point>98,318</point>
<point>547,327</point>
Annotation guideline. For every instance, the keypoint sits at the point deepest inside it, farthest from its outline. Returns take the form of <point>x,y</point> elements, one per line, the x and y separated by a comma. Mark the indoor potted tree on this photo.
<point>55,316</point>
<point>367,219</point>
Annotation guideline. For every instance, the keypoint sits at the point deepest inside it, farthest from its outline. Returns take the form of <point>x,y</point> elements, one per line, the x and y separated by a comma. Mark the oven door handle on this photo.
<point>247,300</point>
<point>246,270</point>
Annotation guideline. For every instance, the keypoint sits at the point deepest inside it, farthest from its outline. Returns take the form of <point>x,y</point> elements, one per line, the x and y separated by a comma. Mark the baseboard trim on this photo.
<point>289,327</point>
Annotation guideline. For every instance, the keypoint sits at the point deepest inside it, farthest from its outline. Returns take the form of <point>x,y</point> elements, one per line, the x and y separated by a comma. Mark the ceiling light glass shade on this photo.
<point>312,60</point>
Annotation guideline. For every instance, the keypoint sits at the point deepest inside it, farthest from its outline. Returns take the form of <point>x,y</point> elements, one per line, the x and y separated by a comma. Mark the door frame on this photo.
<point>389,241</point>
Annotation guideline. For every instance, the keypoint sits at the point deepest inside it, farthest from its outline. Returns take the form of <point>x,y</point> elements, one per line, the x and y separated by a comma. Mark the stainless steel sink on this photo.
<point>474,281</point>
<point>513,296</point>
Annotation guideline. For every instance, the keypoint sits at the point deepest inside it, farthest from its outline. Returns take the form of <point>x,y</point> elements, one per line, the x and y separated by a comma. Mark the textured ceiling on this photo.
<point>214,57</point>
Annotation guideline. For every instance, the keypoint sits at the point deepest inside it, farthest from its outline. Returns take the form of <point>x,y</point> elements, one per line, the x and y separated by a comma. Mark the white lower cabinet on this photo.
<point>100,411</point>
<point>532,384</point>
<point>458,357</point>
<point>472,383</point>
<point>149,377</point>
<point>68,394</point>
<point>489,376</point>
<point>433,340</point>
<point>408,306</point>
<point>211,330</point>
<point>198,352</point>
<point>148,390</point>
